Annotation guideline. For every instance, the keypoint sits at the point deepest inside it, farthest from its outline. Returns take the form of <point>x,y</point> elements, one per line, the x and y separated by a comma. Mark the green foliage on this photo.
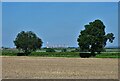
<point>76,50</point>
<point>55,54</point>
<point>93,38</point>
<point>27,41</point>
<point>108,55</point>
<point>9,52</point>
<point>64,50</point>
<point>50,50</point>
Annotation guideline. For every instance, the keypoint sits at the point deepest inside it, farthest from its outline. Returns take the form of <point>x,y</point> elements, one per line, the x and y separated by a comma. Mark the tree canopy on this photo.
<point>93,38</point>
<point>27,41</point>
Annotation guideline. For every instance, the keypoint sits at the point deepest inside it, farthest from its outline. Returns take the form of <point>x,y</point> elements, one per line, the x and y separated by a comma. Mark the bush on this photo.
<point>9,52</point>
<point>76,50</point>
<point>108,55</point>
<point>55,54</point>
<point>50,50</point>
<point>64,50</point>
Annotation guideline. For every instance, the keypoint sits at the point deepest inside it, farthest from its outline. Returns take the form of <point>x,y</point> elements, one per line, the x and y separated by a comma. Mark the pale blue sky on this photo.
<point>56,23</point>
<point>60,0</point>
<point>0,24</point>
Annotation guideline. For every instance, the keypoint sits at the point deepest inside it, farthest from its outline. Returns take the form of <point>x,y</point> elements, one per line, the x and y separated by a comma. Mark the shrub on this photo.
<point>76,50</point>
<point>55,54</point>
<point>64,50</point>
<point>50,50</point>
<point>9,52</point>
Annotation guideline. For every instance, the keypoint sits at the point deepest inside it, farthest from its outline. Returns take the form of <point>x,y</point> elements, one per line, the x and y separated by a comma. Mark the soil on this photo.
<point>23,67</point>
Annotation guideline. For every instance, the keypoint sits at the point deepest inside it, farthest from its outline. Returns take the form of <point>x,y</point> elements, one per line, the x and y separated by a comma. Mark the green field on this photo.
<point>109,55</point>
<point>61,54</point>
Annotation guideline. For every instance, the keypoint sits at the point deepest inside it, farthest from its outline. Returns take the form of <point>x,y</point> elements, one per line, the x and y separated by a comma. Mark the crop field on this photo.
<point>28,67</point>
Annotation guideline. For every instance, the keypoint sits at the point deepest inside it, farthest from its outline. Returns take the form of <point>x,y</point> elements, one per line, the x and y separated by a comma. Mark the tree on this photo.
<point>93,38</point>
<point>27,42</point>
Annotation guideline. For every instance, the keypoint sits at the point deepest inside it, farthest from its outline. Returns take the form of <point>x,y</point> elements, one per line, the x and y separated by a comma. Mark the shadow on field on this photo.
<point>86,55</point>
<point>21,54</point>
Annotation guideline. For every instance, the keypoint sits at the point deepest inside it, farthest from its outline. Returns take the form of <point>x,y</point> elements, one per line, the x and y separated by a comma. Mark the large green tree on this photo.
<point>93,38</point>
<point>27,42</point>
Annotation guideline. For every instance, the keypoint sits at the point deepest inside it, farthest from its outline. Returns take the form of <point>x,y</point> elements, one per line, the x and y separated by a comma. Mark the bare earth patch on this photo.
<point>58,68</point>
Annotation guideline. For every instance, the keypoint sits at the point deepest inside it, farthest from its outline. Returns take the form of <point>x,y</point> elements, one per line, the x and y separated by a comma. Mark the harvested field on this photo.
<point>58,68</point>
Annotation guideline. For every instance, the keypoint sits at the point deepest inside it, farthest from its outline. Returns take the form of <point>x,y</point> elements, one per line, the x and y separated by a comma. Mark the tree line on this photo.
<point>92,39</point>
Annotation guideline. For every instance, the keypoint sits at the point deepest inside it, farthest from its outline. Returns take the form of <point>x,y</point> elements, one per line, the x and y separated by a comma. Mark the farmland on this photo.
<point>59,65</point>
<point>58,68</point>
<point>109,53</point>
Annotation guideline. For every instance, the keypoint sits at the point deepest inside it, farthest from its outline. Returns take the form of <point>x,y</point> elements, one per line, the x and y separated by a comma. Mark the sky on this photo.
<point>0,24</point>
<point>56,22</point>
<point>60,0</point>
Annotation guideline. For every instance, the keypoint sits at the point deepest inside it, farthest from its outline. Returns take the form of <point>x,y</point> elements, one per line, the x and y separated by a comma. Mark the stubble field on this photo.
<point>14,67</point>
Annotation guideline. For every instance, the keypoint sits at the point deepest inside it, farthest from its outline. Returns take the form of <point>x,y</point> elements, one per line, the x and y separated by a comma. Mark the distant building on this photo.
<point>56,45</point>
